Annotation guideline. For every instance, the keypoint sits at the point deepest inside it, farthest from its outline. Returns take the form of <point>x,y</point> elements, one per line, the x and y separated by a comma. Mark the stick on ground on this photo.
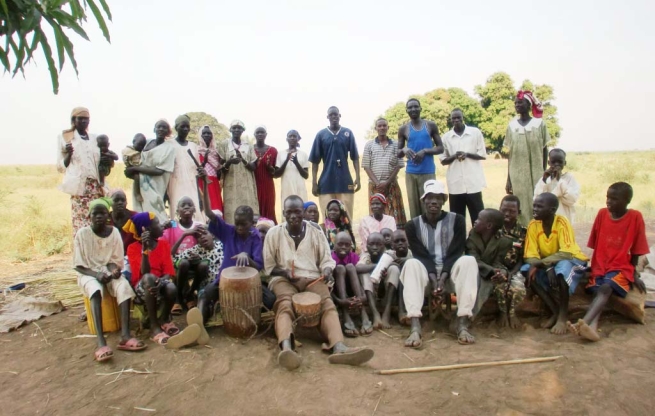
<point>469,365</point>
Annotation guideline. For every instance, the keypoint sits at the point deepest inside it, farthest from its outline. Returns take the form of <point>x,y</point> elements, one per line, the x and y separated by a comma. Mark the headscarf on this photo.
<point>138,221</point>
<point>308,204</point>
<point>163,120</point>
<point>77,112</point>
<point>263,221</point>
<point>203,147</point>
<point>261,126</point>
<point>537,108</point>
<point>180,119</point>
<point>237,123</point>
<point>331,229</point>
<point>104,201</point>
<point>378,197</point>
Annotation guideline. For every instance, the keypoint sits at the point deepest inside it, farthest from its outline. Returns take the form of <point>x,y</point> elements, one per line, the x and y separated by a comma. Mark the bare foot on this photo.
<point>573,328</point>
<point>403,319</point>
<point>384,324</point>
<point>550,323</point>
<point>502,320</point>
<point>377,320</point>
<point>588,332</point>
<point>559,328</point>
<point>514,322</point>
<point>413,340</point>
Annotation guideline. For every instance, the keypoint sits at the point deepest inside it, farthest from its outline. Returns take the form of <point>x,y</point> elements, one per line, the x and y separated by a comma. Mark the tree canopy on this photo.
<point>22,31</point>
<point>199,119</point>
<point>490,111</point>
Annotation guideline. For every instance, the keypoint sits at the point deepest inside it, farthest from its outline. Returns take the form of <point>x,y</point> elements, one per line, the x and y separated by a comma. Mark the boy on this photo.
<point>511,293</point>
<point>618,238</point>
<point>553,259</point>
<point>104,169</point>
<point>292,178</point>
<point>366,264</point>
<point>132,157</point>
<point>346,260</point>
<point>387,234</point>
<point>489,248</point>
<point>562,185</point>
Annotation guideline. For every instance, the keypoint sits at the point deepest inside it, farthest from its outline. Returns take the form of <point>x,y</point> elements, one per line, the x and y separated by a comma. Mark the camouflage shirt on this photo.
<point>517,235</point>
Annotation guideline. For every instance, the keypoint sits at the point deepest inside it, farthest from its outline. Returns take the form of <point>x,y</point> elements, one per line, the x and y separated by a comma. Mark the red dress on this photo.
<point>265,185</point>
<point>213,188</point>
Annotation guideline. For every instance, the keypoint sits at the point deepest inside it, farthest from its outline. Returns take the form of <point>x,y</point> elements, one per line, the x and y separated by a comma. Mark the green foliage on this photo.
<point>490,111</point>
<point>21,31</point>
<point>199,119</point>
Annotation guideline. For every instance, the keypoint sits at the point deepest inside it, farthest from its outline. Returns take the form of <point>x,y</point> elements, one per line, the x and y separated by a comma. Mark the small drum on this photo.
<point>240,295</point>
<point>307,306</point>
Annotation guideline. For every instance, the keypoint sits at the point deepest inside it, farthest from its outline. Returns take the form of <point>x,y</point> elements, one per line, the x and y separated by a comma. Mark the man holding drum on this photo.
<point>298,258</point>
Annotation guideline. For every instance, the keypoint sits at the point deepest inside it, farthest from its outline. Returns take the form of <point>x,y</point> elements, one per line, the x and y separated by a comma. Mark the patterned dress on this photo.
<point>239,186</point>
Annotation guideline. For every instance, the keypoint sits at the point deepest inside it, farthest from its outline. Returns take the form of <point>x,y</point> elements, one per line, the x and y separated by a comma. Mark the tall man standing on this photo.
<point>423,142</point>
<point>332,146</point>
<point>463,150</point>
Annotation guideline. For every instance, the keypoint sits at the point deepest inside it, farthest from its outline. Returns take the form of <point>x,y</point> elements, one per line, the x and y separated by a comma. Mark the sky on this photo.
<point>283,63</point>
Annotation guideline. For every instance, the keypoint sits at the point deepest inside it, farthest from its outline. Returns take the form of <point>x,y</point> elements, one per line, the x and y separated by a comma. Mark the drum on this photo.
<point>111,318</point>
<point>307,306</point>
<point>240,296</point>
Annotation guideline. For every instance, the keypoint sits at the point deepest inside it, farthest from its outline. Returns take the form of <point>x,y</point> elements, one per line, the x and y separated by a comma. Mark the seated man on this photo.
<point>296,254</point>
<point>437,240</point>
<point>553,259</point>
<point>618,238</point>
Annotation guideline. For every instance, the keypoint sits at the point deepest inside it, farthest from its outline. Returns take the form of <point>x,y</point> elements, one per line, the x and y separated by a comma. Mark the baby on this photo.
<point>132,157</point>
<point>103,168</point>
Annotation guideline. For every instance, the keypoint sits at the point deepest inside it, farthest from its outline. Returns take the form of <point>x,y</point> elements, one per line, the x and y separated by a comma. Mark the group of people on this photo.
<point>222,198</point>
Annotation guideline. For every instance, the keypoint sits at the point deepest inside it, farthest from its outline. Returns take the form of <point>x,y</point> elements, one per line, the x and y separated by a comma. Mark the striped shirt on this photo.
<point>382,160</point>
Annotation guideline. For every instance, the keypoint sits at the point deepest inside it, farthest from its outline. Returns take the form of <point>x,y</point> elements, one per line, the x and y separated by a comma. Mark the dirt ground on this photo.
<point>47,373</point>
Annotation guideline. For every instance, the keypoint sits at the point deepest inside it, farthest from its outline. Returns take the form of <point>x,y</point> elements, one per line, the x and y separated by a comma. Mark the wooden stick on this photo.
<point>197,164</point>
<point>469,365</point>
<point>315,281</point>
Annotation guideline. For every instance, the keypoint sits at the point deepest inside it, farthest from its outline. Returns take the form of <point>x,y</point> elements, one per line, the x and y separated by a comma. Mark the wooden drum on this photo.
<point>240,295</point>
<point>307,306</point>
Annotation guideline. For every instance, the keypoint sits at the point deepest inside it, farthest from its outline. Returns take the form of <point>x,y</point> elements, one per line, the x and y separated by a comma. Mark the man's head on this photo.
<point>619,195</point>
<point>413,108</point>
<point>333,116</point>
<point>545,206</point>
<point>434,196</point>
<point>382,127</point>
<point>386,234</point>
<point>293,210</point>
<point>399,243</point>
<point>510,206</point>
<point>343,244</point>
<point>457,119</point>
<point>489,221</point>
<point>243,220</point>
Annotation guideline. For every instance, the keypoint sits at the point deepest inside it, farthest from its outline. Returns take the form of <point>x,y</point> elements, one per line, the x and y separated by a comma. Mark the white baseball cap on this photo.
<point>433,186</point>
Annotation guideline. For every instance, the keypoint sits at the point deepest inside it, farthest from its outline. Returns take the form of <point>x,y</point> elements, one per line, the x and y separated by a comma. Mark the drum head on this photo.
<point>239,273</point>
<point>306,298</point>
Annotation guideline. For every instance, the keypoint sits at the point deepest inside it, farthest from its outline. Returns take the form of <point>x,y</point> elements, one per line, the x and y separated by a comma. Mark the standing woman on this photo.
<point>78,156</point>
<point>239,187</point>
<point>526,142</point>
<point>209,158</point>
<point>183,181</point>
<point>266,156</point>
<point>382,164</point>
<point>157,163</point>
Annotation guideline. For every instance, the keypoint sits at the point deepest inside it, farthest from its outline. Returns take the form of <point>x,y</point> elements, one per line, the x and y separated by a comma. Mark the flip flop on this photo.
<point>353,356</point>
<point>194,316</point>
<point>289,359</point>
<point>161,338</point>
<point>170,328</point>
<point>176,310</point>
<point>103,354</point>
<point>366,332</point>
<point>131,344</point>
<point>350,332</point>
<point>184,338</point>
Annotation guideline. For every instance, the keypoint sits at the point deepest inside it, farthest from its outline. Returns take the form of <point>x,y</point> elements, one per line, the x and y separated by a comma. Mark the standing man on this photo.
<point>423,142</point>
<point>463,150</point>
<point>332,146</point>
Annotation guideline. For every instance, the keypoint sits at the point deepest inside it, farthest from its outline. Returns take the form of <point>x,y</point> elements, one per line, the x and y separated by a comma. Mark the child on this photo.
<point>562,185</point>
<point>132,157</point>
<point>511,293</point>
<point>387,234</point>
<point>263,225</point>
<point>292,177</point>
<point>553,259</point>
<point>618,238</point>
<point>489,248</point>
<point>368,262</point>
<point>311,215</point>
<point>268,297</point>
<point>346,260</point>
<point>152,271</point>
<point>104,169</point>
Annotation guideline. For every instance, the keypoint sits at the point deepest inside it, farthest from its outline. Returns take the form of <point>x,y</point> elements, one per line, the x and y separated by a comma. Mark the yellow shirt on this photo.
<point>561,239</point>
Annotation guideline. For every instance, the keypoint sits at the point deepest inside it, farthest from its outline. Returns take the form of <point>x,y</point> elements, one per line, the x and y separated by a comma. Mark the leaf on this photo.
<point>47,52</point>
<point>105,7</point>
<point>35,43</point>
<point>60,46</point>
<point>77,11</point>
<point>4,59</point>
<point>5,9</point>
<point>65,19</point>
<point>100,19</point>
<point>68,45</point>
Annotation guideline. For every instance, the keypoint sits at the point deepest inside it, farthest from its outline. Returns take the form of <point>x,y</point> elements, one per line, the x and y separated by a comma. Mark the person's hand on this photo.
<point>532,275</point>
<point>499,276</point>
<point>508,187</point>
<point>194,256</point>
<point>409,153</point>
<point>639,284</point>
<point>354,304</point>
<point>145,238</point>
<point>270,169</point>
<point>155,288</point>
<point>292,278</point>
<point>315,189</point>
<point>539,264</point>
<point>418,157</point>
<point>358,186</point>
<point>552,278</point>
<point>103,277</point>
<point>69,148</point>
<point>241,259</point>
<point>201,173</point>
<point>556,174</point>
<point>233,161</point>
<point>167,224</point>
<point>130,171</point>
<point>329,279</point>
<point>381,187</point>
<point>460,155</point>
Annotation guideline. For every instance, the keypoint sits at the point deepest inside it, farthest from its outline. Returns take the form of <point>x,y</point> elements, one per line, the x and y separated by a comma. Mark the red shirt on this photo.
<point>616,241</point>
<point>161,262</point>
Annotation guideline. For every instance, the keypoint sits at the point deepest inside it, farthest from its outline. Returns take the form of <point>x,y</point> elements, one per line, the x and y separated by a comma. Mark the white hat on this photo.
<point>433,187</point>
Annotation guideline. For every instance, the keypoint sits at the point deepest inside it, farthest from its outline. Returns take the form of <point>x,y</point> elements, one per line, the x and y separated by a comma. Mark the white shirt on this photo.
<point>467,176</point>
<point>83,164</point>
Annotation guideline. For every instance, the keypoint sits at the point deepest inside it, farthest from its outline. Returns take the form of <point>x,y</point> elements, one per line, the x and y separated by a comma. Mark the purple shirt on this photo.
<point>351,258</point>
<point>233,244</point>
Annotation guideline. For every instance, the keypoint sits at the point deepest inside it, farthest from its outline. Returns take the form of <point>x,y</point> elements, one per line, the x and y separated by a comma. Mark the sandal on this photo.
<point>170,328</point>
<point>194,316</point>
<point>352,356</point>
<point>131,344</point>
<point>350,332</point>
<point>184,338</point>
<point>366,330</point>
<point>103,354</point>
<point>177,310</point>
<point>161,338</point>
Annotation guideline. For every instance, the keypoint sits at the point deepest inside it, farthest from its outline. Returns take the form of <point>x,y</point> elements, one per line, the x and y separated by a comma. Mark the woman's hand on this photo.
<point>69,148</point>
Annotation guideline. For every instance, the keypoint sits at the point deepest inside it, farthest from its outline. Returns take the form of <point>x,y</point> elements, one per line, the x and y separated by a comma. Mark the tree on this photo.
<point>199,119</point>
<point>497,100</point>
<point>22,31</point>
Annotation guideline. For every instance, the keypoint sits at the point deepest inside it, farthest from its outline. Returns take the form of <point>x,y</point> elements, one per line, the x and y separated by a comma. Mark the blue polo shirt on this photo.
<point>333,150</point>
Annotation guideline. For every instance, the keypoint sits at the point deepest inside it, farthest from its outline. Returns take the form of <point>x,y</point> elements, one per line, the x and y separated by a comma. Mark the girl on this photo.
<point>294,176</point>
<point>336,220</point>
<point>266,157</point>
<point>212,163</point>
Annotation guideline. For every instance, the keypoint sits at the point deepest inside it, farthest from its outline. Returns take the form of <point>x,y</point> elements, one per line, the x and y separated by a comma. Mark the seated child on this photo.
<point>152,271</point>
<point>511,293</point>
<point>103,168</point>
<point>132,157</point>
<point>387,234</point>
<point>553,259</point>
<point>489,248</point>
<point>618,238</point>
<point>346,260</point>
<point>562,185</point>
<point>368,262</point>
<point>310,214</point>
